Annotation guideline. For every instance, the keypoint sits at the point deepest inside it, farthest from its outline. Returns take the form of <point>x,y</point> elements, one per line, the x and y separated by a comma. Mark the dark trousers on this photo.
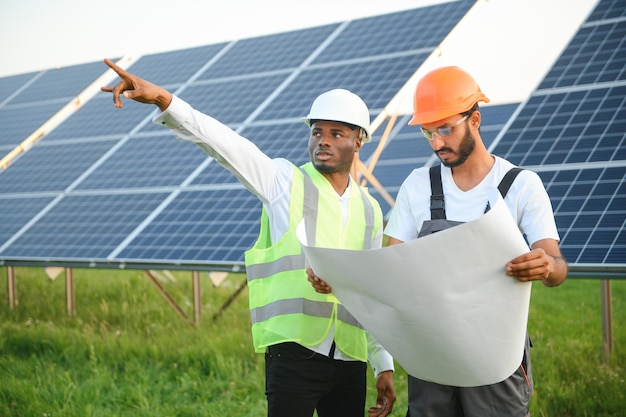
<point>299,381</point>
<point>510,398</point>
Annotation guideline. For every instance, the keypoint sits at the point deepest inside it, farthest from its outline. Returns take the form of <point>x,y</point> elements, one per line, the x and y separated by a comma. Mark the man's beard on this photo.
<point>465,150</point>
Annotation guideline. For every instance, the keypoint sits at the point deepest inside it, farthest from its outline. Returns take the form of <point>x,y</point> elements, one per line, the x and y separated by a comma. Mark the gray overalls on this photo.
<point>511,397</point>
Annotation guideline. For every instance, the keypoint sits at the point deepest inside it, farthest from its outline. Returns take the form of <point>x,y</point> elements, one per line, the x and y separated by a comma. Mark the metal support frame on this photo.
<point>12,293</point>
<point>197,297</point>
<point>607,317</point>
<point>605,298</point>
<point>70,296</point>
<point>231,298</point>
<point>364,173</point>
<point>167,296</point>
<point>69,291</point>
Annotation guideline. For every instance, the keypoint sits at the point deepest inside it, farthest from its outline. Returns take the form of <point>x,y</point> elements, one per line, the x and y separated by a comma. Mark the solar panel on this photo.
<point>145,162</point>
<point>232,100</point>
<point>572,131</point>
<point>607,9</point>
<point>51,168</point>
<point>175,67</point>
<point>108,187</point>
<point>19,122</point>
<point>18,211</point>
<point>394,33</point>
<point>28,100</point>
<point>590,207</point>
<point>277,52</point>
<point>199,227</point>
<point>10,86</point>
<point>125,191</point>
<point>84,227</point>
<point>58,84</point>
<point>98,118</point>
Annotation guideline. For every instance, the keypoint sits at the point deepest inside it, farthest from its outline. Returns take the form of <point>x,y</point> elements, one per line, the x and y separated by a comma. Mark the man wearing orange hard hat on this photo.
<point>456,191</point>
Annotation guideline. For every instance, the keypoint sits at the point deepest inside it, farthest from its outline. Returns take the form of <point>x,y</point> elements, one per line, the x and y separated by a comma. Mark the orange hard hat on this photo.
<point>444,92</point>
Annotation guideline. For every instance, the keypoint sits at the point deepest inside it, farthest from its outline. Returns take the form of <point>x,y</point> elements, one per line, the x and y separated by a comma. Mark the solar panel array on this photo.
<point>108,188</point>
<point>28,100</point>
<point>572,131</point>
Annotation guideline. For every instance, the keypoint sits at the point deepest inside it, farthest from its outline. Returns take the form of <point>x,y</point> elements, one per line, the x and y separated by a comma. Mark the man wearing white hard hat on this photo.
<point>316,353</point>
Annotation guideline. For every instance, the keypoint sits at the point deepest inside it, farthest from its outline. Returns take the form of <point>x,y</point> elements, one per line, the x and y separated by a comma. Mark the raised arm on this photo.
<point>137,89</point>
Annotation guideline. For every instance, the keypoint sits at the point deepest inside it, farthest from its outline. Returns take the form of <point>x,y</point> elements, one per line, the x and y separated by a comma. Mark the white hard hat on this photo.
<point>343,106</point>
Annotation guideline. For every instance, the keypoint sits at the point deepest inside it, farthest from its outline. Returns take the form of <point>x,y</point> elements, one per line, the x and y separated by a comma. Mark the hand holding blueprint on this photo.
<point>442,305</point>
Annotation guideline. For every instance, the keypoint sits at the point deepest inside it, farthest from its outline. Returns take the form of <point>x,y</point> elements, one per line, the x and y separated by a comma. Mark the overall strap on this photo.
<point>437,204</point>
<point>507,180</point>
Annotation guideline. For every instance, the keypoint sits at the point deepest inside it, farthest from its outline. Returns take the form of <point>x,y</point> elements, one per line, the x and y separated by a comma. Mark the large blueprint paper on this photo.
<point>442,305</point>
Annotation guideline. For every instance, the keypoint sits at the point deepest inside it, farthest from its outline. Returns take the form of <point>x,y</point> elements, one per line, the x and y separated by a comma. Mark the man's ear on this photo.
<point>358,142</point>
<point>475,119</point>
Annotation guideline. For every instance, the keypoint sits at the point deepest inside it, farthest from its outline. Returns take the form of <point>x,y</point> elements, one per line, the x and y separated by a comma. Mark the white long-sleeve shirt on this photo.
<point>269,179</point>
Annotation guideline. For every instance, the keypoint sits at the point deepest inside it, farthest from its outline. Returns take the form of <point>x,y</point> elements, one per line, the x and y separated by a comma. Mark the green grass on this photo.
<point>126,352</point>
<point>572,376</point>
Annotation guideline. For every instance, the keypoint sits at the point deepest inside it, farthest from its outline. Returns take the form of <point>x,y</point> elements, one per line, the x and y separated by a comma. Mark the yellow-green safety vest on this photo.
<point>284,307</point>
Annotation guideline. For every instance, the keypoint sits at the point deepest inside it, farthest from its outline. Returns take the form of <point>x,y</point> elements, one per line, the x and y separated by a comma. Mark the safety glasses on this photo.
<point>444,130</point>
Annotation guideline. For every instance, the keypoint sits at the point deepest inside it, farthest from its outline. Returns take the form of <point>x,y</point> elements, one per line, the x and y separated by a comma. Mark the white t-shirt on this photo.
<point>527,200</point>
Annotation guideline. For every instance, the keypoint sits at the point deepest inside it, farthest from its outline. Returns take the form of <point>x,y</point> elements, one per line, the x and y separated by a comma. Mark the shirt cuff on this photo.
<point>177,110</point>
<point>379,359</point>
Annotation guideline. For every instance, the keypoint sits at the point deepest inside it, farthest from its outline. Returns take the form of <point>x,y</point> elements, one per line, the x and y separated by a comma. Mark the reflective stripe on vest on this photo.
<point>287,263</point>
<point>302,305</point>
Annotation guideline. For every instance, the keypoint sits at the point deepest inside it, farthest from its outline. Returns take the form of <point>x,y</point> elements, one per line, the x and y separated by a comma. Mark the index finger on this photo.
<point>120,71</point>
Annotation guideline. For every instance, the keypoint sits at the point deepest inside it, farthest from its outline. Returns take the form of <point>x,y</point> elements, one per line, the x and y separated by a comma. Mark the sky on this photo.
<point>45,34</point>
<point>507,45</point>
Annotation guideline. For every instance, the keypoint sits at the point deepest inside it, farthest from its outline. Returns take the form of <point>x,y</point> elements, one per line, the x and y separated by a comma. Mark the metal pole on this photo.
<point>69,291</point>
<point>231,299</point>
<point>11,287</point>
<point>607,319</point>
<point>167,297</point>
<point>197,297</point>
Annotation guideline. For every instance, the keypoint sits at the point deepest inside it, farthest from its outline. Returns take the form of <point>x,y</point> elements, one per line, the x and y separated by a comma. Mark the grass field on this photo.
<point>125,352</point>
